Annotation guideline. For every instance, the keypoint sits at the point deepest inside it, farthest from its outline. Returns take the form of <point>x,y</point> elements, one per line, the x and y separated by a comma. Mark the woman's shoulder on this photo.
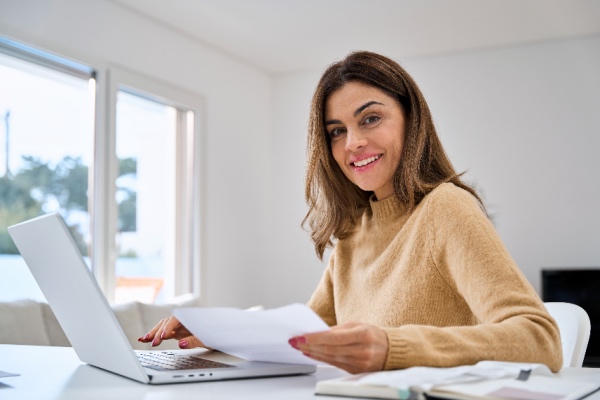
<point>450,190</point>
<point>453,212</point>
<point>447,198</point>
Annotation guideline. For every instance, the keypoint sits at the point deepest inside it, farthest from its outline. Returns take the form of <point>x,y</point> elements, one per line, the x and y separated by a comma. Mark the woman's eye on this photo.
<point>371,119</point>
<point>335,132</point>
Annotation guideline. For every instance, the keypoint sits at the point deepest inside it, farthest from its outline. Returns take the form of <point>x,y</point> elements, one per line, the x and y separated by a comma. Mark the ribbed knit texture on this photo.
<point>441,284</point>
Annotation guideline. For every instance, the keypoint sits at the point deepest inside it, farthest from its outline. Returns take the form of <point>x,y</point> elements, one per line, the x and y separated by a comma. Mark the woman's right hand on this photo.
<point>171,328</point>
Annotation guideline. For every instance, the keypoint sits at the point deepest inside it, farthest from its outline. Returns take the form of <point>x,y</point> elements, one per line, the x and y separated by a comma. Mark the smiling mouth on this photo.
<point>366,161</point>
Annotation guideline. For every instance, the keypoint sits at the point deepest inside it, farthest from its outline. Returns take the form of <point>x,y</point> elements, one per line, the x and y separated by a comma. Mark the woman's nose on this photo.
<point>355,139</point>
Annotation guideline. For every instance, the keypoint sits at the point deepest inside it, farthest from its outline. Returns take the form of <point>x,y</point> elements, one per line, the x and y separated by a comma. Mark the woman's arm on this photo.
<point>512,322</point>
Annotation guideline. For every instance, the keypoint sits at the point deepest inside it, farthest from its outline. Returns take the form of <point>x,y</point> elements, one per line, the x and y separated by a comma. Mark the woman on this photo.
<point>418,275</point>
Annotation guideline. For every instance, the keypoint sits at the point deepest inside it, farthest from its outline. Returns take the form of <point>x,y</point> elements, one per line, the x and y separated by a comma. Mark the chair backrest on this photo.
<point>574,326</point>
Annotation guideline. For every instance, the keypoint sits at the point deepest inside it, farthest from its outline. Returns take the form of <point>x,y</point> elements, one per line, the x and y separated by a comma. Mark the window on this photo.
<point>47,137</point>
<point>126,181</point>
<point>152,191</point>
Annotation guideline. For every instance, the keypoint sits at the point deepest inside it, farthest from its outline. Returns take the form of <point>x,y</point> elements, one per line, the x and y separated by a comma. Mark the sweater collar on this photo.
<point>386,209</point>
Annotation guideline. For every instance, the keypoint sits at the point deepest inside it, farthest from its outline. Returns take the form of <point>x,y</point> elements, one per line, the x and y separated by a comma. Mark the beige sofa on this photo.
<point>31,322</point>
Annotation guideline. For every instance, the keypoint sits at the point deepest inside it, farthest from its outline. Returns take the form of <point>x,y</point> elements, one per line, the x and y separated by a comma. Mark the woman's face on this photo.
<point>366,128</point>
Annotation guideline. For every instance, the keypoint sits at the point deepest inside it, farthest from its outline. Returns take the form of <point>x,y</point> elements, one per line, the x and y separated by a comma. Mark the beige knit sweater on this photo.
<point>440,283</point>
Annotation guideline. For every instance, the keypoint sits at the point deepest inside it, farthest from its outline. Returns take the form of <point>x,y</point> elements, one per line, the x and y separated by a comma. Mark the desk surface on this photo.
<point>57,373</point>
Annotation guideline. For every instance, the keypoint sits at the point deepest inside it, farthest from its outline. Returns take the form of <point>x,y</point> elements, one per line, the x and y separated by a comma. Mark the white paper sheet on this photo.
<point>7,374</point>
<point>253,335</point>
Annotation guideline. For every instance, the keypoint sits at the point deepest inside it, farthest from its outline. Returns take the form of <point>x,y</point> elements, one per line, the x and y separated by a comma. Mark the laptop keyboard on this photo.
<point>166,361</point>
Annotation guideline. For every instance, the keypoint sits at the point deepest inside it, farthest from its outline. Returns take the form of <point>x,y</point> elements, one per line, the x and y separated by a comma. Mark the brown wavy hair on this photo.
<point>334,202</point>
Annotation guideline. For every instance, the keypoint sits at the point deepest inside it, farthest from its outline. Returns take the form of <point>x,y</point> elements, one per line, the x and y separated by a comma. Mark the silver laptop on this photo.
<point>93,330</point>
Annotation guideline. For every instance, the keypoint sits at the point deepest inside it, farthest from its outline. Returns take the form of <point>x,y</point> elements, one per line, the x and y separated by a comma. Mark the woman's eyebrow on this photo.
<point>368,104</point>
<point>358,111</point>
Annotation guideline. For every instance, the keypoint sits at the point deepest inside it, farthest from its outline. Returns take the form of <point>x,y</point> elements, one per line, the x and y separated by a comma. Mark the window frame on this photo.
<point>186,269</point>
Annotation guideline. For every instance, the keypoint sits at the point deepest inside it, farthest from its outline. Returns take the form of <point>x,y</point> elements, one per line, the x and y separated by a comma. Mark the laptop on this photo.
<point>92,328</point>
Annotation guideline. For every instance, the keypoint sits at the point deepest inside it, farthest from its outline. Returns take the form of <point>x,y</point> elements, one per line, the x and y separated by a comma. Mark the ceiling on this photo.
<point>281,36</point>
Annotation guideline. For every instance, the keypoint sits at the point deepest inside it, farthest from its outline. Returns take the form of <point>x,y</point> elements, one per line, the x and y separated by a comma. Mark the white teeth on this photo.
<point>366,161</point>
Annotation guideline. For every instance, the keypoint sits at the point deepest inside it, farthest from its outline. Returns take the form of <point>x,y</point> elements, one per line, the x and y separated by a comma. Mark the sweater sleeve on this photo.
<point>322,300</point>
<point>513,324</point>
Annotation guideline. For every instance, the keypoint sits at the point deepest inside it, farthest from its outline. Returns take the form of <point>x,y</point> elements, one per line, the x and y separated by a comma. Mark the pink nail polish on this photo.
<point>301,339</point>
<point>183,344</point>
<point>294,343</point>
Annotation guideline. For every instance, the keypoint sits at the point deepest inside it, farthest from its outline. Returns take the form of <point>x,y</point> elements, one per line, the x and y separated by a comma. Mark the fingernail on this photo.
<point>146,337</point>
<point>162,335</point>
<point>294,343</point>
<point>183,344</point>
<point>301,339</point>
<point>154,343</point>
<point>306,354</point>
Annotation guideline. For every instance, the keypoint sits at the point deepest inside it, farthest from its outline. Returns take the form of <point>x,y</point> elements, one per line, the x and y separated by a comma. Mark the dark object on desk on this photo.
<point>581,287</point>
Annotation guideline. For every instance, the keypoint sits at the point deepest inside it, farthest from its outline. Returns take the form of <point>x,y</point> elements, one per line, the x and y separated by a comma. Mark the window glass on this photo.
<point>46,148</point>
<point>145,196</point>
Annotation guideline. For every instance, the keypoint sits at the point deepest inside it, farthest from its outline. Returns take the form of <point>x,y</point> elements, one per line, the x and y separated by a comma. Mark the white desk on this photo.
<point>57,373</point>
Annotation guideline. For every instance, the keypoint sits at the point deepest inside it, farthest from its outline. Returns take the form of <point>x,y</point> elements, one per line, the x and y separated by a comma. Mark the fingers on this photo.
<point>349,365</point>
<point>148,337</point>
<point>353,347</point>
<point>167,328</point>
<point>172,329</point>
<point>165,331</point>
<point>190,342</point>
<point>340,335</point>
<point>354,358</point>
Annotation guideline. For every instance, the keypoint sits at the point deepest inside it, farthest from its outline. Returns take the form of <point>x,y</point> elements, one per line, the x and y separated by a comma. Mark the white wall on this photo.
<point>295,269</point>
<point>237,129</point>
<point>524,121</point>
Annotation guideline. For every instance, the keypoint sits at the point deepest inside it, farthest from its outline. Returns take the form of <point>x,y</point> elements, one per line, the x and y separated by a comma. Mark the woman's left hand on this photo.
<point>352,346</point>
